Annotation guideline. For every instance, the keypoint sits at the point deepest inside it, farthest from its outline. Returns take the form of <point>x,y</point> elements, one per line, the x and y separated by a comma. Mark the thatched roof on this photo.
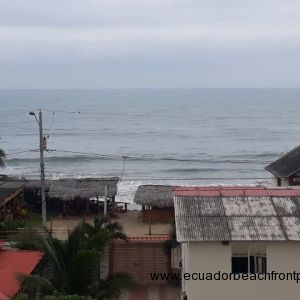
<point>35,184</point>
<point>9,189</point>
<point>155,195</point>
<point>85,188</point>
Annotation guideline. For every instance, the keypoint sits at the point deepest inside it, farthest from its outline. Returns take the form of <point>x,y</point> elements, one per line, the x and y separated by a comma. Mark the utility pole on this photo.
<point>42,165</point>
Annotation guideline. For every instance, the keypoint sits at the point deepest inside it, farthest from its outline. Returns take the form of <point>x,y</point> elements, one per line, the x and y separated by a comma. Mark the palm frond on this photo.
<point>35,284</point>
<point>113,286</point>
<point>84,272</point>
<point>99,222</point>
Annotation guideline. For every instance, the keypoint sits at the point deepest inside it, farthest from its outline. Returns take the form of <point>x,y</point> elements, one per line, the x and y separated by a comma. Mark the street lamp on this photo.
<point>42,164</point>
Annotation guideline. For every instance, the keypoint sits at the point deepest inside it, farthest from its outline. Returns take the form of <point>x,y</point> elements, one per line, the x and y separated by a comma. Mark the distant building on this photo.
<point>242,231</point>
<point>286,169</point>
<point>11,199</point>
<point>157,203</point>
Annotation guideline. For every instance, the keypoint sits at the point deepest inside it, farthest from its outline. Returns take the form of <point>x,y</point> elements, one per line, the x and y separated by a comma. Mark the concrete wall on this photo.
<point>212,257</point>
<point>284,182</point>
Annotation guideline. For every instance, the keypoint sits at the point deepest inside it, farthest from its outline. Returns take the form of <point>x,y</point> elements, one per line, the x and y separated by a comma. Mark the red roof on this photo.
<point>13,262</point>
<point>232,191</point>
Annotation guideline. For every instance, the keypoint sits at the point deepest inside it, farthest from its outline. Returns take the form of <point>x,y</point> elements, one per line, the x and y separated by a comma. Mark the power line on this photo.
<point>166,115</point>
<point>142,157</point>
<point>51,124</point>
<point>153,158</point>
<point>85,153</point>
<point>20,152</point>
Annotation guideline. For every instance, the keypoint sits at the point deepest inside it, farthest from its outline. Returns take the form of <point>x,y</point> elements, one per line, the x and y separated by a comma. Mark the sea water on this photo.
<point>169,136</point>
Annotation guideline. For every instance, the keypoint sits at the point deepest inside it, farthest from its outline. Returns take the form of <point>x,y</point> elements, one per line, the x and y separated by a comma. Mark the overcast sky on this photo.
<point>149,43</point>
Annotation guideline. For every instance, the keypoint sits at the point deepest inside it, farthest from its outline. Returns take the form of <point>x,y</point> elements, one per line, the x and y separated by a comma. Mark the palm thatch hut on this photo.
<point>78,192</point>
<point>73,195</point>
<point>11,198</point>
<point>157,202</point>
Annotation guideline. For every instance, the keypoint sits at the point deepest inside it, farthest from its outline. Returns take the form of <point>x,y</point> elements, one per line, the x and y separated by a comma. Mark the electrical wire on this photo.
<point>84,153</point>
<point>51,124</point>
<point>20,152</point>
<point>147,157</point>
<point>175,116</point>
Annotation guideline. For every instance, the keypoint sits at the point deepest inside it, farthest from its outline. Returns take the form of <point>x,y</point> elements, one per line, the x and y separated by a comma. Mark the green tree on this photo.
<point>76,265</point>
<point>2,158</point>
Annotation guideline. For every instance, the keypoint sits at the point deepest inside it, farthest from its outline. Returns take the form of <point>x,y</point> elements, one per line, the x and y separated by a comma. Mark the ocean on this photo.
<point>169,136</point>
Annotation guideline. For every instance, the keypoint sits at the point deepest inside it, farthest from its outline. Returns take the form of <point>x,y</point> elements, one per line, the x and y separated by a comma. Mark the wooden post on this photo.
<point>149,215</point>
<point>105,202</point>
<point>87,205</point>
<point>113,205</point>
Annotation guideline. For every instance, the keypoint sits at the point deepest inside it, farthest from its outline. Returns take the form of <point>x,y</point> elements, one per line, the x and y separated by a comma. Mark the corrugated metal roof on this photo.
<point>238,218</point>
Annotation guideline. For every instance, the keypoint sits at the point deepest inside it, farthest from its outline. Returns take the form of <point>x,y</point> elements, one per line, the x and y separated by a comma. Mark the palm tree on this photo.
<point>2,157</point>
<point>75,266</point>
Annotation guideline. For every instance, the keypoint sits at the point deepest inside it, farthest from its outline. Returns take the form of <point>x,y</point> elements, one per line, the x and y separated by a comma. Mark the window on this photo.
<point>248,258</point>
<point>257,264</point>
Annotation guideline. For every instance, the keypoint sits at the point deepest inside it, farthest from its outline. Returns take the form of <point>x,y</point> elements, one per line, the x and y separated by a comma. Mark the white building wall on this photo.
<point>284,182</point>
<point>211,257</point>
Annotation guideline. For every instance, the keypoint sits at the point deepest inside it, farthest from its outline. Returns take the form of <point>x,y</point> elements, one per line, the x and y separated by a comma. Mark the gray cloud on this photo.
<point>131,43</point>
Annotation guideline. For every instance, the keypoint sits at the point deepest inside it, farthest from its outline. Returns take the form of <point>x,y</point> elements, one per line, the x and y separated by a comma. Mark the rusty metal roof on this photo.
<point>237,214</point>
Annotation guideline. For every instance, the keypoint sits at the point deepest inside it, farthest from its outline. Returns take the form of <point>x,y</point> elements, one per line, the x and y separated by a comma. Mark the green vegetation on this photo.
<point>2,158</point>
<point>12,225</point>
<point>34,220</point>
<point>75,266</point>
<point>172,242</point>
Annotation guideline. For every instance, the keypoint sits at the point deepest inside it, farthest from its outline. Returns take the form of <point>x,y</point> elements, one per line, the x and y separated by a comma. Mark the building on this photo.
<point>157,203</point>
<point>84,195</point>
<point>11,199</point>
<point>13,262</point>
<point>286,169</point>
<point>238,231</point>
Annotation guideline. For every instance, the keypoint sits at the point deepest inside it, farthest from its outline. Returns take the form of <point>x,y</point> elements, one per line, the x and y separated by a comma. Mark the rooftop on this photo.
<point>71,188</point>
<point>13,262</point>
<point>68,188</point>
<point>235,191</point>
<point>155,195</point>
<point>8,190</point>
<point>287,165</point>
<point>237,214</point>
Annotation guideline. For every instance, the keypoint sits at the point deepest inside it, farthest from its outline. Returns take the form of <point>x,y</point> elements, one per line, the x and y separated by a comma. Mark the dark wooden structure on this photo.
<point>286,169</point>
<point>73,196</point>
<point>157,203</point>
<point>11,199</point>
